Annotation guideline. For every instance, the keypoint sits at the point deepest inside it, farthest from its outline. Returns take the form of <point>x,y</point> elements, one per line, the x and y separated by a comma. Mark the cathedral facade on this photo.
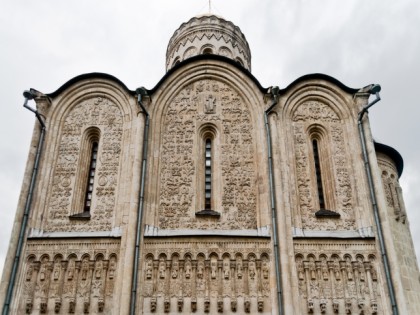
<point>209,194</point>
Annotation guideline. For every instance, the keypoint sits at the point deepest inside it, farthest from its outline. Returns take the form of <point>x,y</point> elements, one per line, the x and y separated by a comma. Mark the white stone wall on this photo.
<point>191,262</point>
<point>409,276</point>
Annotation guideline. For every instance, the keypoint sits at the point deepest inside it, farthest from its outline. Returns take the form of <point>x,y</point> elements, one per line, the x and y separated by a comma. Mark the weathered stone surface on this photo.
<point>207,244</point>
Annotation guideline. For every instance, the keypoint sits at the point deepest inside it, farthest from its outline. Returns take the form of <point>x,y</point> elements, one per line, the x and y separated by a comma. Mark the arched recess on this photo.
<point>316,116</point>
<point>82,113</point>
<point>218,102</point>
<point>176,61</point>
<point>207,49</point>
<point>224,51</point>
<point>239,60</point>
<point>191,51</point>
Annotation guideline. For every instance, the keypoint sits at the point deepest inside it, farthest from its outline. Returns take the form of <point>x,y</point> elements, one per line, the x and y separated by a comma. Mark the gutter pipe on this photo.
<point>275,95</point>
<point>141,92</point>
<point>375,89</point>
<point>29,95</point>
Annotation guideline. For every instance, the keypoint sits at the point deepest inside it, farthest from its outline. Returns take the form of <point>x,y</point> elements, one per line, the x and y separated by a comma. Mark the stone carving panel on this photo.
<point>102,113</point>
<point>187,276</point>
<point>306,115</point>
<point>58,278</point>
<point>333,281</point>
<point>393,191</point>
<point>201,103</point>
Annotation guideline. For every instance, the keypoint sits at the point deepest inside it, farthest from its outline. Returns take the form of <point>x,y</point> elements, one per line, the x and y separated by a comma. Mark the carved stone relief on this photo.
<point>58,278</point>
<point>332,281</point>
<point>104,114</point>
<point>306,115</point>
<point>201,103</point>
<point>204,275</point>
<point>393,191</point>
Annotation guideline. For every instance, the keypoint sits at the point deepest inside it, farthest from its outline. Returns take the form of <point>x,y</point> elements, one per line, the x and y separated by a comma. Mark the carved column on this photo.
<point>344,276</point>
<point>333,280</point>
<point>155,276</point>
<point>29,286</point>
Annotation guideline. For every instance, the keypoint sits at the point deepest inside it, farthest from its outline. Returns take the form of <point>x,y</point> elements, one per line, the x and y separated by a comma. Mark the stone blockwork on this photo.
<point>69,277</point>
<point>207,276</point>
<point>338,277</point>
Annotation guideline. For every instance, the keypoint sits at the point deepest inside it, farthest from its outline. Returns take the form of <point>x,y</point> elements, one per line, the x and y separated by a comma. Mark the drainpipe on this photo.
<point>141,92</point>
<point>375,89</point>
<point>275,94</point>
<point>29,95</point>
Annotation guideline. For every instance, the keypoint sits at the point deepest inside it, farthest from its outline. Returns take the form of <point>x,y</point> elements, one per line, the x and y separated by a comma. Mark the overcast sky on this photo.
<point>45,43</point>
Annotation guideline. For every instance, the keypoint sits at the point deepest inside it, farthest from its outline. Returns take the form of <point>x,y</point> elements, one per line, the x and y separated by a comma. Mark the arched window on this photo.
<point>323,177</point>
<point>83,197</point>
<point>207,51</point>
<point>207,201</point>
<point>207,172</point>
<point>318,174</point>
<point>91,177</point>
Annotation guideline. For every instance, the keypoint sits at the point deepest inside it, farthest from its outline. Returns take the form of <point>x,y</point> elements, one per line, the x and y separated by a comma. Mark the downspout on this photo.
<point>275,94</point>
<point>375,89</point>
<point>141,92</point>
<point>29,95</point>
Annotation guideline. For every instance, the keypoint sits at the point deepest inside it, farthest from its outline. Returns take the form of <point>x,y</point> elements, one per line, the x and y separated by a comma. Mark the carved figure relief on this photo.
<point>307,114</point>
<point>200,103</point>
<point>332,281</point>
<point>213,275</point>
<point>102,113</point>
<point>69,283</point>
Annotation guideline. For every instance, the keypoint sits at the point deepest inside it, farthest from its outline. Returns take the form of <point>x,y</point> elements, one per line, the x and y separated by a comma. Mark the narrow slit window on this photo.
<point>91,177</point>
<point>318,174</point>
<point>207,184</point>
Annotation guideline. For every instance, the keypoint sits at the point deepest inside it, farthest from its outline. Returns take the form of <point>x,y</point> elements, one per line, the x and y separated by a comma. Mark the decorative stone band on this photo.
<point>34,233</point>
<point>152,231</point>
<point>366,232</point>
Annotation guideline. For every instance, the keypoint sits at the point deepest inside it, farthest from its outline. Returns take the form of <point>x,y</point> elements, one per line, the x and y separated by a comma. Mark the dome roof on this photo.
<point>208,34</point>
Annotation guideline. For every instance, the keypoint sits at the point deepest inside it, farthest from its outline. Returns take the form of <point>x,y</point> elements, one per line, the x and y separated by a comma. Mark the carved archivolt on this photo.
<point>338,282</point>
<point>68,284</point>
<point>65,197</point>
<point>307,118</point>
<point>216,104</point>
<point>207,275</point>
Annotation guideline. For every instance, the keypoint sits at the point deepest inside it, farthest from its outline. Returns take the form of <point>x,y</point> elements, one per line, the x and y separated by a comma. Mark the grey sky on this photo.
<point>45,43</point>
